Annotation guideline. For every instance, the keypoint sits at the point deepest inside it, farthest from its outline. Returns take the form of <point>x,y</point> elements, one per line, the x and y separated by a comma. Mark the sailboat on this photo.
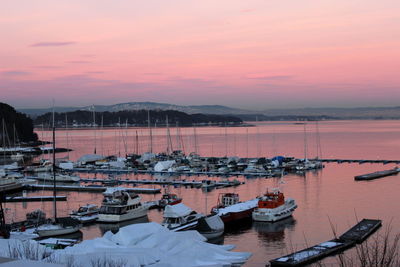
<point>59,226</point>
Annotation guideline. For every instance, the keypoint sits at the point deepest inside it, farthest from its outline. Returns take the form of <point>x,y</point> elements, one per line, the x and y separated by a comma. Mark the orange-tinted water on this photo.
<point>327,195</point>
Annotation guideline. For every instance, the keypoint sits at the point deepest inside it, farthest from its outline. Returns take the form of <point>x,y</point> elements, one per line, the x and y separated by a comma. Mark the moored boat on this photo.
<point>121,205</point>
<point>210,226</point>
<point>273,206</point>
<point>86,214</point>
<point>180,217</point>
<point>169,199</point>
<point>230,209</point>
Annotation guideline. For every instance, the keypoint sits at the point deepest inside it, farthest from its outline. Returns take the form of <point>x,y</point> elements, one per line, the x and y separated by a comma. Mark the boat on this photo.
<point>273,206</point>
<point>65,178</point>
<point>120,205</point>
<point>169,199</point>
<point>10,184</point>
<point>180,217</point>
<point>58,226</point>
<point>230,209</point>
<point>86,214</point>
<point>211,226</point>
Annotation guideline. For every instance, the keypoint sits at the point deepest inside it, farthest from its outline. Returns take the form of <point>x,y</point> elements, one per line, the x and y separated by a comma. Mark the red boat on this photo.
<point>230,209</point>
<point>169,199</point>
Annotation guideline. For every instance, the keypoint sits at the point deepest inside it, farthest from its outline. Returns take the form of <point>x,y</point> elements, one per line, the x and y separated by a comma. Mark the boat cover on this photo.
<point>177,210</point>
<point>90,158</point>
<point>163,165</point>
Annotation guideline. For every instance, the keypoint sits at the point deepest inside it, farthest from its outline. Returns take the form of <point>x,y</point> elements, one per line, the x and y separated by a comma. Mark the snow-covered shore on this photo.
<point>140,245</point>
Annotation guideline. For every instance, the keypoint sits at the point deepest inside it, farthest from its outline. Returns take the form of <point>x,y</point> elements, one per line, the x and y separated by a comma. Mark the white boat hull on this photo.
<point>59,231</point>
<point>132,214</point>
<point>273,215</point>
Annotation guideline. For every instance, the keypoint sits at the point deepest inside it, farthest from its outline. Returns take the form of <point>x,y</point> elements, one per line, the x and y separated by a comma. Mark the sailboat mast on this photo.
<point>54,171</point>
<point>150,133</point>
<point>66,133</point>
<point>305,141</point>
<point>94,129</point>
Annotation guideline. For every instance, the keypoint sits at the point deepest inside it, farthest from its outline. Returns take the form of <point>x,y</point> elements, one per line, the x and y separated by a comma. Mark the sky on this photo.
<point>253,54</point>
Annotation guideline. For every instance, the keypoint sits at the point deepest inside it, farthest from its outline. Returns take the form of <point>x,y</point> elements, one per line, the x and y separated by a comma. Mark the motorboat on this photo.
<point>210,226</point>
<point>169,199</point>
<point>230,209</point>
<point>120,204</point>
<point>180,217</point>
<point>86,214</point>
<point>273,206</point>
<point>65,178</point>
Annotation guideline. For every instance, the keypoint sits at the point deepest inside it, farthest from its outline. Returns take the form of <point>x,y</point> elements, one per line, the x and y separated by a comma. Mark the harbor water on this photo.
<point>328,199</point>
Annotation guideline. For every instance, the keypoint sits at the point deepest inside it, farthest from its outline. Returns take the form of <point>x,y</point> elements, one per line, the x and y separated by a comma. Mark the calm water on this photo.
<point>327,195</point>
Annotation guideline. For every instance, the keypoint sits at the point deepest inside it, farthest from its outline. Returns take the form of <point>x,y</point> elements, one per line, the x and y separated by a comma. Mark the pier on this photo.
<point>90,188</point>
<point>361,161</point>
<point>376,175</point>
<point>356,234</point>
<point>34,198</point>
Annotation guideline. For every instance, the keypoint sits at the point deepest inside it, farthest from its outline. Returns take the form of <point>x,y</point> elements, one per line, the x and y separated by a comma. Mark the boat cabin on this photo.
<point>271,200</point>
<point>228,199</point>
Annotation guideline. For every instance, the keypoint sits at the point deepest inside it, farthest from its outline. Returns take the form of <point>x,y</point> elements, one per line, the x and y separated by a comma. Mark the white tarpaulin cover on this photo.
<point>177,210</point>
<point>163,165</point>
<point>136,245</point>
<point>90,158</point>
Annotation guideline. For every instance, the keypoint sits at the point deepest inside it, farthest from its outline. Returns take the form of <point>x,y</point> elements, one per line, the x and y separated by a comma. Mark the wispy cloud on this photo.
<point>269,77</point>
<point>14,73</point>
<point>52,44</point>
<point>78,61</point>
<point>94,72</point>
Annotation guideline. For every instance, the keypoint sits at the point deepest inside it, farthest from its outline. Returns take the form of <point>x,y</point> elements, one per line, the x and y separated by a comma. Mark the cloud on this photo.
<point>52,44</point>
<point>47,67</point>
<point>79,61</point>
<point>94,72</point>
<point>269,77</point>
<point>14,73</point>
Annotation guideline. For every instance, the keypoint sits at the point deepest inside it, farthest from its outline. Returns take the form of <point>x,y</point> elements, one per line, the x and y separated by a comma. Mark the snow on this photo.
<point>163,165</point>
<point>147,244</point>
<point>329,244</point>
<point>177,210</point>
<point>250,204</point>
<point>90,158</point>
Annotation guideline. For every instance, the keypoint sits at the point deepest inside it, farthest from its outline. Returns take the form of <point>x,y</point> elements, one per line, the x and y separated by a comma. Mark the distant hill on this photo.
<point>15,120</point>
<point>204,109</point>
<point>329,113</point>
<point>83,118</point>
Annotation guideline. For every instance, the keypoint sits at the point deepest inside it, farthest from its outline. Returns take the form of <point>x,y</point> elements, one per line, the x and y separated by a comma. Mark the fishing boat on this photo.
<point>180,217</point>
<point>273,206</point>
<point>169,199</point>
<point>230,209</point>
<point>86,214</point>
<point>120,205</point>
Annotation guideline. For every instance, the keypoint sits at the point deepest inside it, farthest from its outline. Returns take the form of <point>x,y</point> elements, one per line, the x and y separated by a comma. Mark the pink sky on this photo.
<point>249,54</point>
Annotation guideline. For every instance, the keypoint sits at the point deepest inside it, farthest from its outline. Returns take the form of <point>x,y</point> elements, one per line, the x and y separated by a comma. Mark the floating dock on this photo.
<point>376,175</point>
<point>356,234</point>
<point>34,198</point>
<point>90,188</point>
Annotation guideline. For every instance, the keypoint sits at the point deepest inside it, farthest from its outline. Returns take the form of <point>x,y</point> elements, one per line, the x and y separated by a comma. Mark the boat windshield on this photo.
<point>172,220</point>
<point>112,210</point>
<point>82,209</point>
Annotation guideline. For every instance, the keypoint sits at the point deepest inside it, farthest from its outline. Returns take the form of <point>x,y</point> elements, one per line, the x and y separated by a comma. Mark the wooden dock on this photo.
<point>361,161</point>
<point>34,198</point>
<point>376,175</point>
<point>356,234</point>
<point>90,188</point>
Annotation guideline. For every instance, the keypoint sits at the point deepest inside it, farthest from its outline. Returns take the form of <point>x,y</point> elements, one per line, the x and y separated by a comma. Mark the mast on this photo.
<point>318,139</point>
<point>226,141</point>
<point>66,133</point>
<point>305,142</point>
<point>169,141</point>
<point>94,129</point>
<point>54,170</point>
<point>150,133</point>
<point>4,139</point>
<point>137,143</point>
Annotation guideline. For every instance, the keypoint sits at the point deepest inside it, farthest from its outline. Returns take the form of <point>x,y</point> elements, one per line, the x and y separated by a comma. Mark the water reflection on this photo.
<point>271,232</point>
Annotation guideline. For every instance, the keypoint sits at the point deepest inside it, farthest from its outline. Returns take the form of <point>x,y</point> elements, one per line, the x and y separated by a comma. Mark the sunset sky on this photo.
<point>253,54</point>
